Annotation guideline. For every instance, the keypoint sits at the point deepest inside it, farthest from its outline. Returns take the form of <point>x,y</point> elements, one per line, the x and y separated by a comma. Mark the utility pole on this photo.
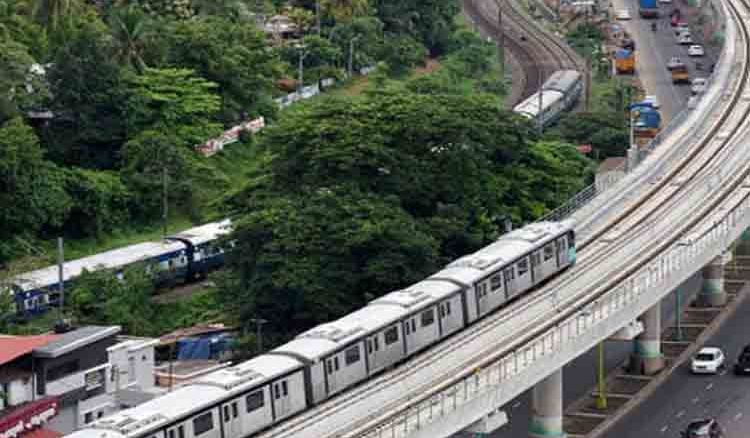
<point>587,79</point>
<point>678,312</point>
<point>540,125</point>
<point>61,275</point>
<point>259,332</point>
<point>164,202</point>
<point>301,69</point>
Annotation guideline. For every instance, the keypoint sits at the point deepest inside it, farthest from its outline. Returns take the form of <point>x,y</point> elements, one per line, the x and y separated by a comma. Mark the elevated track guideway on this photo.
<point>635,248</point>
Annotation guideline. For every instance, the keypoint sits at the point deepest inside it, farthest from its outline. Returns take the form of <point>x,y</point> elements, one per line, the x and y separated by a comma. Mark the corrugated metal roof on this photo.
<point>13,347</point>
<point>77,338</point>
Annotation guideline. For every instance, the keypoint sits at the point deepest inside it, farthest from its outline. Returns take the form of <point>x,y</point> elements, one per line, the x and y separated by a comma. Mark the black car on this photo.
<point>706,428</point>
<point>742,366</point>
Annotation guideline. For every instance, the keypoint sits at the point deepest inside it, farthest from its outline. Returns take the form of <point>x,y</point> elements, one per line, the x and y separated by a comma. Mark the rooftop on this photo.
<point>13,347</point>
<point>67,342</point>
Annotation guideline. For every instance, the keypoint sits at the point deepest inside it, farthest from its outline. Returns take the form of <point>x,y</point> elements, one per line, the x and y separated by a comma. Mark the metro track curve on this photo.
<point>295,426</point>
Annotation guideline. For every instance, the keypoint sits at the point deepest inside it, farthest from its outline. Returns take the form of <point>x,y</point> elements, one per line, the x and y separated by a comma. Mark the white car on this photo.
<point>623,14</point>
<point>684,38</point>
<point>695,50</point>
<point>709,360</point>
<point>651,98</point>
<point>681,28</point>
<point>665,1</point>
<point>698,85</point>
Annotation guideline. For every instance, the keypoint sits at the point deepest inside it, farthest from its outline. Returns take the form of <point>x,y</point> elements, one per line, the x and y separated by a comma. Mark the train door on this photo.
<point>176,432</point>
<point>230,415</point>
<point>536,266</point>
<point>281,402</point>
<point>509,280</point>
<point>332,368</point>
<point>562,251</point>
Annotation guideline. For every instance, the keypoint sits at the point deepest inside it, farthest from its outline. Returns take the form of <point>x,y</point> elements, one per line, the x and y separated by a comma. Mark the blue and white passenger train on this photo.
<point>558,94</point>
<point>254,395</point>
<point>183,256</point>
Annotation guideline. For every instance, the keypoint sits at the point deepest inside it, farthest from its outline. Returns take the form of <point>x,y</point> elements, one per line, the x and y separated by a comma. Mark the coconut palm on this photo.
<point>50,13</point>
<point>130,29</point>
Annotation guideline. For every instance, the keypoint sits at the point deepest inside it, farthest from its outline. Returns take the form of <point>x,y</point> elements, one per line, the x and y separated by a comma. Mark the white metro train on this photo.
<point>558,94</point>
<point>238,401</point>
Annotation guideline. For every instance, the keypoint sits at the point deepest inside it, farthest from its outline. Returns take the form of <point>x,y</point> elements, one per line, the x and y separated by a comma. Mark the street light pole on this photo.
<point>601,400</point>
<point>302,55</point>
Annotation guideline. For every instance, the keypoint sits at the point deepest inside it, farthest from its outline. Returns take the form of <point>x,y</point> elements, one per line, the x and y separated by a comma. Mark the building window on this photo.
<point>254,401</point>
<point>203,423</point>
<point>352,355</point>
<point>428,317</point>
<point>391,335</point>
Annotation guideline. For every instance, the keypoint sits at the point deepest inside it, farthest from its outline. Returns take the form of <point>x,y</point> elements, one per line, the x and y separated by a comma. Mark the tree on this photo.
<point>100,202</point>
<point>88,89</point>
<point>32,190</point>
<point>431,22</point>
<point>130,29</point>
<point>345,10</point>
<point>20,88</point>
<point>51,13</point>
<point>232,55</point>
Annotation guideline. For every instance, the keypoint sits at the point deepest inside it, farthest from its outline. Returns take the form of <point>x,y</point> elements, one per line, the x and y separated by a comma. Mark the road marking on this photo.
<point>738,416</point>
<point>663,429</point>
<point>680,414</point>
<point>695,400</point>
<point>709,386</point>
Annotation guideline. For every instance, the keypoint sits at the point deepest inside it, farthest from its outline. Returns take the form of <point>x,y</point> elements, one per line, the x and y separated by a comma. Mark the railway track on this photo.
<point>709,154</point>
<point>538,53</point>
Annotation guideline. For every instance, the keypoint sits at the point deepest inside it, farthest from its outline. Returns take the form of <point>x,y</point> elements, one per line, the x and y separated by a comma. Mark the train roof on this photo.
<point>205,233</point>
<point>530,106</point>
<point>251,373</point>
<point>329,337</point>
<point>420,295</point>
<point>115,258</point>
<point>153,414</point>
<point>504,250</point>
<point>562,80</point>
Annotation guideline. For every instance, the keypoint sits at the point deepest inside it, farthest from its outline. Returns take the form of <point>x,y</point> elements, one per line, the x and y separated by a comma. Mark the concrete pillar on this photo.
<point>647,358</point>
<point>713,293</point>
<point>547,408</point>
<point>743,245</point>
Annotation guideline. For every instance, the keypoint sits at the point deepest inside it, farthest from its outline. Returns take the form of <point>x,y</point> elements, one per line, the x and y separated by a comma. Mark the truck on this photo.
<point>680,75</point>
<point>647,122</point>
<point>624,61</point>
<point>648,8</point>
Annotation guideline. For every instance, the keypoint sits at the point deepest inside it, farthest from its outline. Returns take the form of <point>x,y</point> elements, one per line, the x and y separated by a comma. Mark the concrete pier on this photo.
<point>547,408</point>
<point>713,293</point>
<point>647,358</point>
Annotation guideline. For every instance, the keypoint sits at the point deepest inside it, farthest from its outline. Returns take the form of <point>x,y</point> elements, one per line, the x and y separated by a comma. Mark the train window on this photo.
<point>285,388</point>
<point>496,281</point>
<point>408,328</point>
<point>171,433</point>
<point>254,401</point>
<point>391,335</point>
<point>235,411</point>
<point>329,366</point>
<point>203,424</point>
<point>180,431</point>
<point>276,392</point>
<point>447,307</point>
<point>369,346</point>
<point>377,343</point>
<point>428,317</point>
<point>549,251</point>
<point>536,259</point>
<point>523,266</point>
<point>335,365</point>
<point>352,355</point>
<point>226,413</point>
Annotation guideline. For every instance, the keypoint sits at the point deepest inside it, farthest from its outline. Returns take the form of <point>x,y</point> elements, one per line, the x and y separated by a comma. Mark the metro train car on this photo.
<point>177,258</point>
<point>559,93</point>
<point>332,357</point>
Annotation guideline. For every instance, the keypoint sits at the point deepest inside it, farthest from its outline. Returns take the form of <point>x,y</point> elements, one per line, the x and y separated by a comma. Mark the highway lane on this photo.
<point>579,376</point>
<point>684,397</point>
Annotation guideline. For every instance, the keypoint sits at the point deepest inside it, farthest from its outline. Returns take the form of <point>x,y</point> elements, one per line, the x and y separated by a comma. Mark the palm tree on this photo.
<point>130,29</point>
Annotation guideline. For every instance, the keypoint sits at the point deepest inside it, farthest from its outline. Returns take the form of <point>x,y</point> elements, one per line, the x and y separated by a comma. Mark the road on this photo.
<point>684,397</point>
<point>579,376</point>
<point>653,51</point>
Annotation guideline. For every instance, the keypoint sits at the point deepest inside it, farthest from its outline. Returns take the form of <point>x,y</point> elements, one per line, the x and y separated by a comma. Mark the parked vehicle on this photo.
<point>699,85</point>
<point>695,50</point>
<point>705,428</point>
<point>623,14</point>
<point>648,8</point>
<point>674,17</point>
<point>708,360</point>
<point>647,122</point>
<point>652,100</point>
<point>684,39</point>
<point>624,61</point>
<point>245,398</point>
<point>742,366</point>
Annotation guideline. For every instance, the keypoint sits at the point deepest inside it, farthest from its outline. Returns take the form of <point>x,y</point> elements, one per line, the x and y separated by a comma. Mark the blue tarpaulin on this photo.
<point>205,347</point>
